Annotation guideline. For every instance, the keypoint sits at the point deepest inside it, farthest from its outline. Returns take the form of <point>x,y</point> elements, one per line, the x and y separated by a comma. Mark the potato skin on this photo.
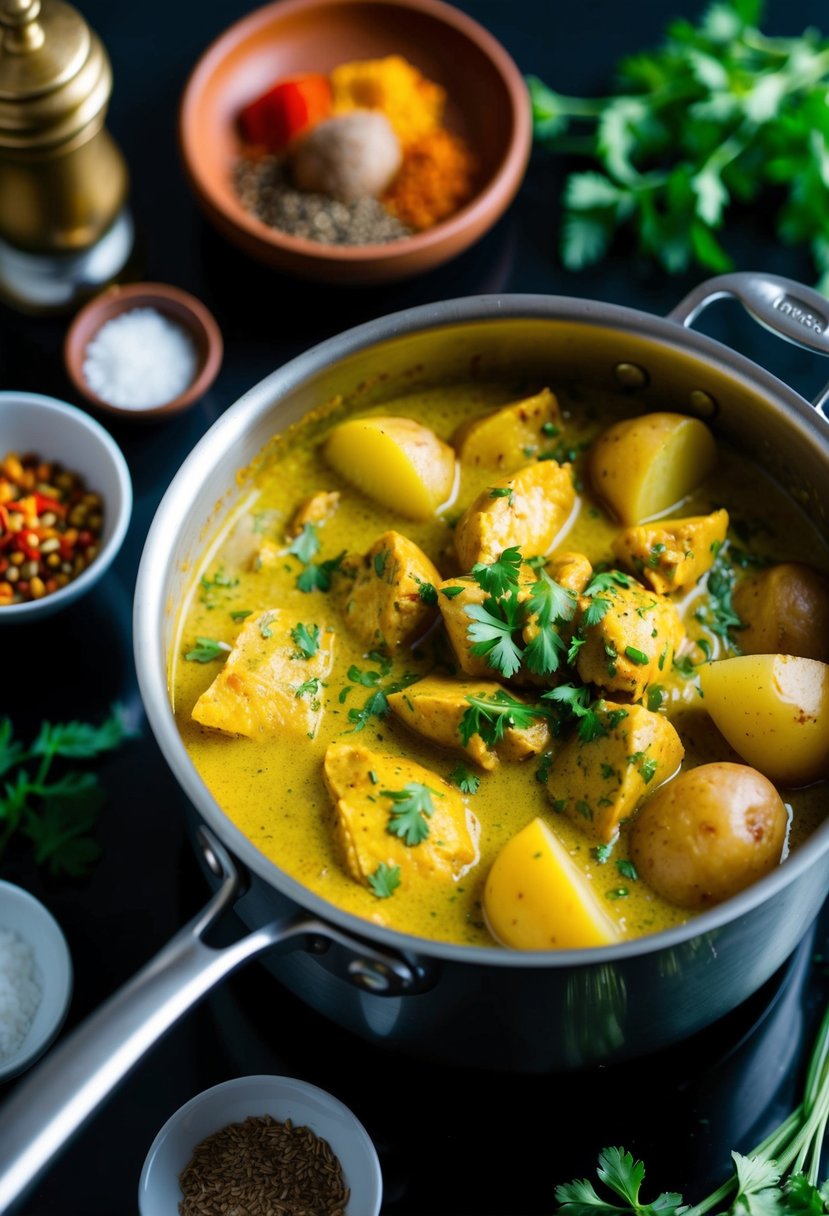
<point>708,834</point>
<point>785,610</point>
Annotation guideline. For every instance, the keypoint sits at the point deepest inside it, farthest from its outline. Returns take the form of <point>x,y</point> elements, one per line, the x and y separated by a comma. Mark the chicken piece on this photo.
<point>315,510</point>
<point>634,641</point>
<point>359,782</point>
<point>435,705</point>
<point>785,610</point>
<point>387,596</point>
<point>572,571</point>
<point>510,436</point>
<point>529,510</point>
<point>672,554</point>
<point>267,556</point>
<point>600,782</point>
<point>455,595</point>
<point>269,682</point>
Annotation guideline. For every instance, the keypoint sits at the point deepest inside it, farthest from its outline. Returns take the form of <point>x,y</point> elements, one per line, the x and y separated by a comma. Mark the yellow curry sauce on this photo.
<point>273,790</point>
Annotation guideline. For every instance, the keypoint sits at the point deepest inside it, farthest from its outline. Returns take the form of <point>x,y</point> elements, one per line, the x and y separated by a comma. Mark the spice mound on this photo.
<point>140,360</point>
<point>20,992</point>
<point>367,163</point>
<point>265,1167</point>
<point>50,527</point>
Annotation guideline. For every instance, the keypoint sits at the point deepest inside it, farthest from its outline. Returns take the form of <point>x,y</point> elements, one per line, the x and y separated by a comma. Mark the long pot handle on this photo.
<point>63,1091</point>
<point>787,308</point>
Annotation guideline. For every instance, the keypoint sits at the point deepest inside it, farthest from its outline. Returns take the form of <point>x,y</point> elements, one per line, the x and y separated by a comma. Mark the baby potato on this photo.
<point>396,461</point>
<point>785,610</point>
<point>774,711</point>
<point>642,466</point>
<point>708,834</point>
<point>536,898</point>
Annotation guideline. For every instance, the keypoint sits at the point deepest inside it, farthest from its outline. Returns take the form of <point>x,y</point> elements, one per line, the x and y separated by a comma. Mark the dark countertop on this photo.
<point>450,1141</point>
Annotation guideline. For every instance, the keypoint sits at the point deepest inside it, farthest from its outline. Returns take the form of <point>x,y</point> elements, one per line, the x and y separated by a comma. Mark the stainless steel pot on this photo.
<point>485,1007</point>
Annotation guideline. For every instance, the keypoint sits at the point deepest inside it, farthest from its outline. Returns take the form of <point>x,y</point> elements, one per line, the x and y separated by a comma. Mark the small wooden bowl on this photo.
<point>487,104</point>
<point>178,306</point>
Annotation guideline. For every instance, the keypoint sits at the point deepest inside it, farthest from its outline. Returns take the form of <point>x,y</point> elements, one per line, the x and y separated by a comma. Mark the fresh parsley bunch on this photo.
<point>780,1177</point>
<point>45,798</point>
<point>720,113</point>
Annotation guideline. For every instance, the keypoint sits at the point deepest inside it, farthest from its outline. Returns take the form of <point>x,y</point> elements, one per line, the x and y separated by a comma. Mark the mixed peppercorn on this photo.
<point>50,527</point>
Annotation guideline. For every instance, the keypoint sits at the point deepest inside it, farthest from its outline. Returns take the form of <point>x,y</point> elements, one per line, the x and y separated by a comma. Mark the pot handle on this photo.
<point>794,312</point>
<point>62,1092</point>
<point>787,308</point>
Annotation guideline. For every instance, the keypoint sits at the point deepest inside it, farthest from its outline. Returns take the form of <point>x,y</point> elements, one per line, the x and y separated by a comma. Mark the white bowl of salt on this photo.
<point>35,979</point>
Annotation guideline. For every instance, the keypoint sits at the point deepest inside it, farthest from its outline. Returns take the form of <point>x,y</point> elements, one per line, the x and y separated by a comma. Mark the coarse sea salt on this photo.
<point>20,991</point>
<point>140,359</point>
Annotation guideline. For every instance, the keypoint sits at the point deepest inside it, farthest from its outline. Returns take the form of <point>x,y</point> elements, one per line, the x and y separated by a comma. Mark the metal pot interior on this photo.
<point>583,344</point>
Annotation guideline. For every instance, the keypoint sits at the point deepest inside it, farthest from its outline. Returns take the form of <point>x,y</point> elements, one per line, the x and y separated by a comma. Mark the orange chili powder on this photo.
<point>435,179</point>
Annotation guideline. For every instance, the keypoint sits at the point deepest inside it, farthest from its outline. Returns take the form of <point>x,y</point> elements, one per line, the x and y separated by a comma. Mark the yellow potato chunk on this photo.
<point>536,898</point>
<point>530,510</point>
<point>359,780</point>
<point>708,834</point>
<point>641,467</point>
<point>671,555</point>
<point>396,461</point>
<point>774,711</point>
<point>269,682</point>
<point>785,610</point>
<point>509,437</point>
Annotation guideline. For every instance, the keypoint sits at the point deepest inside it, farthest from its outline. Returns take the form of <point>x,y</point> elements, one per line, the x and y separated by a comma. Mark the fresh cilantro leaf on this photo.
<point>493,624</point>
<point>501,576</point>
<point>490,715</point>
<point>318,576</point>
<point>427,592</point>
<point>551,605</point>
<point>627,869</point>
<point>465,780</point>
<point>241,614</point>
<point>385,880</point>
<point>450,592</point>
<point>306,639</point>
<point>206,650</point>
<point>82,740</point>
<point>502,492</point>
<point>412,809</point>
<point>636,656</point>
<point>309,687</point>
<point>306,545</point>
<point>574,700</point>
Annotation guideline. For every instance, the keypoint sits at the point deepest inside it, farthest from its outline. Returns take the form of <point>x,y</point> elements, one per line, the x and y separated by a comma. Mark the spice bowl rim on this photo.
<point>44,936</point>
<point>175,304</point>
<point>369,263</point>
<point>62,421</point>
<point>282,1097</point>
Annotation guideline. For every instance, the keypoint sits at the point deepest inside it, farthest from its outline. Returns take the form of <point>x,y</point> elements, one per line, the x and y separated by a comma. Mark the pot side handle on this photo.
<point>788,309</point>
<point>65,1089</point>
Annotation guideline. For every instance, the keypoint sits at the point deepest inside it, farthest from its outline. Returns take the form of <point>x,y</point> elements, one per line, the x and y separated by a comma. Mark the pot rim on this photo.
<point>150,608</point>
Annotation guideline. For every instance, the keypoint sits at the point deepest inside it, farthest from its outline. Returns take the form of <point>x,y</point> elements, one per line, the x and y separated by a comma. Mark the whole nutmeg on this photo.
<point>349,156</point>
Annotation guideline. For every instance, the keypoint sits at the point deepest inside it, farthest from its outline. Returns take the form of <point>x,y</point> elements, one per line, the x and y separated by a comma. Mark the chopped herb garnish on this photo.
<point>450,592</point>
<point>206,650</point>
<point>306,639</point>
<point>489,716</point>
<point>385,880</point>
<point>636,656</point>
<point>308,687</point>
<point>617,893</point>
<point>265,625</point>
<point>465,780</point>
<point>602,852</point>
<point>241,614</point>
<point>317,576</point>
<point>502,492</point>
<point>656,696</point>
<point>627,869</point>
<point>574,700</point>
<point>306,545</point>
<point>427,592</point>
<point>412,809</point>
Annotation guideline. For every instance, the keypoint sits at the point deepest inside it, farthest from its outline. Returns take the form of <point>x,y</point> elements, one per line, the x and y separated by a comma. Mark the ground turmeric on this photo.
<point>412,104</point>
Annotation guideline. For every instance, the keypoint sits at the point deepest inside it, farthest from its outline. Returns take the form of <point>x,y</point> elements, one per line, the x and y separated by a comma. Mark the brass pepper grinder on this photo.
<point>65,230</point>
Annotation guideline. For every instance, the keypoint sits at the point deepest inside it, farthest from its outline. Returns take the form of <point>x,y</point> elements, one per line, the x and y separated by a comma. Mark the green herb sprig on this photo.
<point>780,1177</point>
<point>718,114</point>
<point>56,813</point>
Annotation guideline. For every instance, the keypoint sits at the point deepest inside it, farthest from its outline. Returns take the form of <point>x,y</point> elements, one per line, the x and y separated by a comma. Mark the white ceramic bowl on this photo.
<point>26,916</point>
<point>283,1098</point>
<point>30,422</point>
